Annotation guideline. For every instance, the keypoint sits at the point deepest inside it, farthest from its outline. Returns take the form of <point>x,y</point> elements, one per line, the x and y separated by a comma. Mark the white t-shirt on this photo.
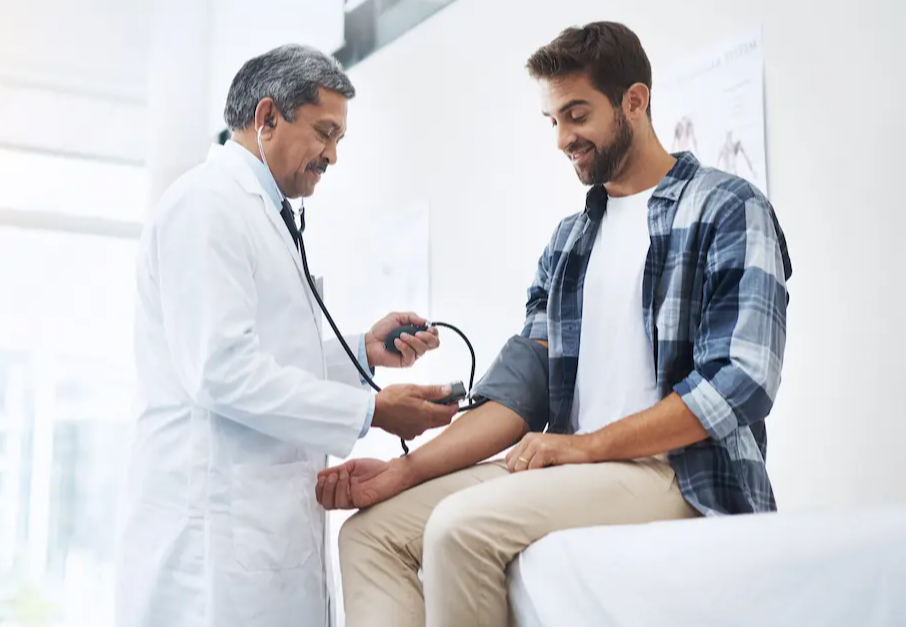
<point>616,376</point>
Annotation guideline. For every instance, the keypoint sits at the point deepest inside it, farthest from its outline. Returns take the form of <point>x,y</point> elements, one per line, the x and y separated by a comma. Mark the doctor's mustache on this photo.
<point>317,166</point>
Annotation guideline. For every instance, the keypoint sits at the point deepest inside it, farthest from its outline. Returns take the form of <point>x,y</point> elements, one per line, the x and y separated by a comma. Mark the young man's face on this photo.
<point>594,135</point>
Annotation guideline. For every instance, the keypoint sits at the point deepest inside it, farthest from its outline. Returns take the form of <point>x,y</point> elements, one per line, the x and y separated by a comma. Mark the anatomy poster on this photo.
<point>712,105</point>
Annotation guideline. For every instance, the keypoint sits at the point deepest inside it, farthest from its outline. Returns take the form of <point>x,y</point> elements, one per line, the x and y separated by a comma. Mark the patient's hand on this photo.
<point>359,483</point>
<point>539,450</point>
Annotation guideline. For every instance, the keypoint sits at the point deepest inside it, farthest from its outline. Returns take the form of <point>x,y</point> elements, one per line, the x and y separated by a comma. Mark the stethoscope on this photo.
<point>459,393</point>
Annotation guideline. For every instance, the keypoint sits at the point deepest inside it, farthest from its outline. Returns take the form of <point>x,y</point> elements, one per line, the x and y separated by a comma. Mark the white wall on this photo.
<point>242,30</point>
<point>197,48</point>
<point>447,115</point>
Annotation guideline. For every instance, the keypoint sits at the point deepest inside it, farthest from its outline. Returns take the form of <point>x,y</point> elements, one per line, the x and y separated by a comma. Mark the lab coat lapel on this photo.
<point>251,184</point>
<point>273,214</point>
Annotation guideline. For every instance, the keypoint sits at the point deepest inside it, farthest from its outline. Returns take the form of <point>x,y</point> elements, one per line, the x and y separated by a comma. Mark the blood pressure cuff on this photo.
<point>518,380</point>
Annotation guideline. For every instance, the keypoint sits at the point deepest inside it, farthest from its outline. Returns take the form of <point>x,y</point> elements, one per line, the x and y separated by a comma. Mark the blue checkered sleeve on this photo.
<point>739,345</point>
<point>536,306</point>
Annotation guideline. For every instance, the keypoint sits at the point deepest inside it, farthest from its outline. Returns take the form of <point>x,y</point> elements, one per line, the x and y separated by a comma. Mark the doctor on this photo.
<point>240,399</point>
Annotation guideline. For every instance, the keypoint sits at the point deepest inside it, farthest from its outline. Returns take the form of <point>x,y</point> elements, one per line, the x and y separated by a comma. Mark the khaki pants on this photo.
<point>465,528</point>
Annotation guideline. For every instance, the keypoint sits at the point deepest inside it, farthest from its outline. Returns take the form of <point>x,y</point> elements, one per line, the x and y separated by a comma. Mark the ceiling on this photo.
<point>74,75</point>
<point>96,47</point>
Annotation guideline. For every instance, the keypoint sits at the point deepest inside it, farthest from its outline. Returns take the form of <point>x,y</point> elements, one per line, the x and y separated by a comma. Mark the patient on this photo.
<point>675,274</point>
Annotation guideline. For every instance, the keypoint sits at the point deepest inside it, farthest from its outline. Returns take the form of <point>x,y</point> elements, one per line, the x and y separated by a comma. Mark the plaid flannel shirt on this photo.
<point>714,302</point>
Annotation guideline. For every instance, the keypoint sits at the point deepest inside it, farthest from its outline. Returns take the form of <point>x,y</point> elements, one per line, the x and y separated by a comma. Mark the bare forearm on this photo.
<point>667,426</point>
<point>472,438</point>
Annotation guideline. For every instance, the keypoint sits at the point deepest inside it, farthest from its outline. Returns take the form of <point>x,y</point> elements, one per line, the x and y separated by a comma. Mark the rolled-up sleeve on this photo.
<point>518,380</point>
<point>739,344</point>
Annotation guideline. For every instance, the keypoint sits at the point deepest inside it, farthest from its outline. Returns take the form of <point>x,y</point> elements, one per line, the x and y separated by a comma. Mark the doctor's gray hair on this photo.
<point>291,75</point>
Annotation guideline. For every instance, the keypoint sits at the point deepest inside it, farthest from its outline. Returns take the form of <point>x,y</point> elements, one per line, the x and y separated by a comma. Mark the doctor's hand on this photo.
<point>411,346</point>
<point>407,410</point>
<point>360,483</point>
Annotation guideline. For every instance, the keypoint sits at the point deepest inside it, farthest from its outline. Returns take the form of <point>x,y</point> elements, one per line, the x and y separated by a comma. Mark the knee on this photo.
<point>381,525</point>
<point>358,529</point>
<point>456,525</point>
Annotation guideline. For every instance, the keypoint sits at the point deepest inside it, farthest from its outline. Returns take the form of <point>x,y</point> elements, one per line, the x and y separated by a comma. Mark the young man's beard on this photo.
<point>609,158</point>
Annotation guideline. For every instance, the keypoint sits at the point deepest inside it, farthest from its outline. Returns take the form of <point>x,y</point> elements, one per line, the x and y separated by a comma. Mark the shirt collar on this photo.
<point>683,171</point>
<point>260,170</point>
<point>670,187</point>
<point>596,202</point>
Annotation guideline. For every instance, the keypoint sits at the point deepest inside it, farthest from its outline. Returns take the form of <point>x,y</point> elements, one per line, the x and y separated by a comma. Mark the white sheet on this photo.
<point>845,569</point>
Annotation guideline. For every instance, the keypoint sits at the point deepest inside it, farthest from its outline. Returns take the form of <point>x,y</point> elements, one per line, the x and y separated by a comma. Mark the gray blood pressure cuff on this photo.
<point>518,380</point>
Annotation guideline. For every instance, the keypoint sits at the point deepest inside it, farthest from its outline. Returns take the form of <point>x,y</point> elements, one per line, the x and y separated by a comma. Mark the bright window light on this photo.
<point>77,187</point>
<point>66,386</point>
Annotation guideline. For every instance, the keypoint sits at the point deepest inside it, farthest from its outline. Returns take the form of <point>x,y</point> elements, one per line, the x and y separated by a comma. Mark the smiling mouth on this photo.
<point>577,155</point>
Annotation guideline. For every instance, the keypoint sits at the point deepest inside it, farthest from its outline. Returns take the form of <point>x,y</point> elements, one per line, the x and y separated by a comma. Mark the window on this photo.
<point>62,185</point>
<point>65,398</point>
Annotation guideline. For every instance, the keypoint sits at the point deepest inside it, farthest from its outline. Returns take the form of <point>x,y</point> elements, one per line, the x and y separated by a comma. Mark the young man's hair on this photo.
<point>608,52</point>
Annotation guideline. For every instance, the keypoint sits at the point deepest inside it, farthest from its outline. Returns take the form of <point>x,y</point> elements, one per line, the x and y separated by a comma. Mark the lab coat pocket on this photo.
<point>270,516</point>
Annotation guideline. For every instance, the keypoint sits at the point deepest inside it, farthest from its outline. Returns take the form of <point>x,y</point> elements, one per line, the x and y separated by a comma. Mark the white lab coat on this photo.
<point>240,403</point>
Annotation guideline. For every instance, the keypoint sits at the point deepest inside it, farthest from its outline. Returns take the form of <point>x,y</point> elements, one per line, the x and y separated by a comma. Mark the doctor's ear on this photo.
<point>266,115</point>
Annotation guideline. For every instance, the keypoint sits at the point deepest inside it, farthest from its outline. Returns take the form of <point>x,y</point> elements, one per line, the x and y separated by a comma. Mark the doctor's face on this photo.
<point>299,152</point>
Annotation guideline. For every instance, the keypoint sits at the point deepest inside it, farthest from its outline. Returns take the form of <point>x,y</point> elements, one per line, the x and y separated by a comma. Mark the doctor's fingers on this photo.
<point>418,343</point>
<point>431,417</point>
<point>441,415</point>
<point>408,354</point>
<point>409,317</point>
<point>430,337</point>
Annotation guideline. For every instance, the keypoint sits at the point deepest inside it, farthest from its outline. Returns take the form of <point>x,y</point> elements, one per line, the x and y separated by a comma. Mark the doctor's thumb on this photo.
<point>435,392</point>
